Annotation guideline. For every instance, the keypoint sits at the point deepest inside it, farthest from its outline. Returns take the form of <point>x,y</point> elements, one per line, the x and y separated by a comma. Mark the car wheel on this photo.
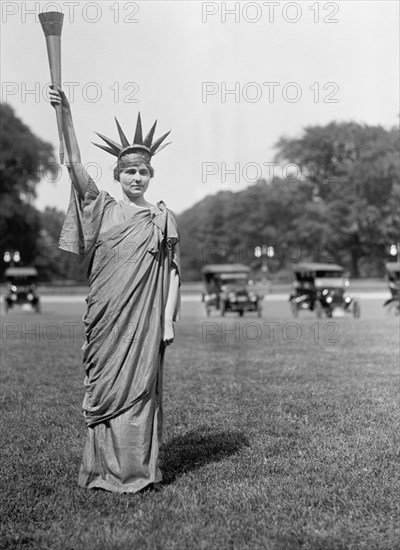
<point>241,312</point>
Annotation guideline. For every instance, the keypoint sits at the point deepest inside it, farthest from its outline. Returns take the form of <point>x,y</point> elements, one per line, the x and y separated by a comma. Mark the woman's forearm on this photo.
<point>79,177</point>
<point>173,293</point>
<point>71,141</point>
<point>78,174</point>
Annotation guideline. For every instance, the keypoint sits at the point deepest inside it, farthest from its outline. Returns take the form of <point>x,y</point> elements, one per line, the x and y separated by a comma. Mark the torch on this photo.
<point>52,22</point>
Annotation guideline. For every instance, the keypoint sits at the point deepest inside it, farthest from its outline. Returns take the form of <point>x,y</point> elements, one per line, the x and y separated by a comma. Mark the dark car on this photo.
<point>228,288</point>
<point>21,288</point>
<point>321,288</point>
<point>393,279</point>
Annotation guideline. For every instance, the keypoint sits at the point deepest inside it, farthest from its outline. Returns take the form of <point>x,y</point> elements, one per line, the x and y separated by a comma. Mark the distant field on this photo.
<point>278,435</point>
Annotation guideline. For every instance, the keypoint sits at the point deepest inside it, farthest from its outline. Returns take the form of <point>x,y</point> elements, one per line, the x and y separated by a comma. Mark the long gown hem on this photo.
<point>134,487</point>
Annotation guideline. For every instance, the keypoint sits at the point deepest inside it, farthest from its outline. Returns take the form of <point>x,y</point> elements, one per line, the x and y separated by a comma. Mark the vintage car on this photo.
<point>228,288</point>
<point>393,279</point>
<point>321,288</point>
<point>21,288</point>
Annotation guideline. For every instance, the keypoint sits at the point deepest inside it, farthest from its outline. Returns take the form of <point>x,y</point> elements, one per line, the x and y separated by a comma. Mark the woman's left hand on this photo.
<point>169,333</point>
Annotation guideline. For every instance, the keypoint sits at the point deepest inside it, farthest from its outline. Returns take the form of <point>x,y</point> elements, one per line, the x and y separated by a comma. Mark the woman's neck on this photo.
<point>140,201</point>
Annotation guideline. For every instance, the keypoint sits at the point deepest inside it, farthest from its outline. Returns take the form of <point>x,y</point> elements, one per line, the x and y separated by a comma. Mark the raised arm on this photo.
<point>78,174</point>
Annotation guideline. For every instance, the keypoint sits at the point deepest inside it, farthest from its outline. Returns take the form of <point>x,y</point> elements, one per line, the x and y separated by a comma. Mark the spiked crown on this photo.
<point>143,147</point>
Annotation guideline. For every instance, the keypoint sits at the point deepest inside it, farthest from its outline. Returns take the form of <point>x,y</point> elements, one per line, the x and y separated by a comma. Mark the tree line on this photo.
<point>24,160</point>
<point>339,202</point>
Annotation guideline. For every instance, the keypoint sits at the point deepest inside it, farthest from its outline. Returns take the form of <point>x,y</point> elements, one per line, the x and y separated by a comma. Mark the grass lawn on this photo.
<point>268,444</point>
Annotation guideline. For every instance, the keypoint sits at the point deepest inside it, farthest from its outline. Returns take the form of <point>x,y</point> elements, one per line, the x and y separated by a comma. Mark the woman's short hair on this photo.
<point>121,165</point>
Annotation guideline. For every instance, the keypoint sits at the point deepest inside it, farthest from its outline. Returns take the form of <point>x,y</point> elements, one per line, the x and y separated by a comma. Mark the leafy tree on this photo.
<point>23,159</point>
<point>229,226</point>
<point>343,208</point>
<point>354,171</point>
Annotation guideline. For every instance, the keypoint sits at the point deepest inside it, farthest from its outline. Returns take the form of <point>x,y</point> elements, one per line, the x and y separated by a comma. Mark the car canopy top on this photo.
<point>233,276</point>
<point>314,267</point>
<point>20,272</point>
<point>230,269</point>
<point>393,267</point>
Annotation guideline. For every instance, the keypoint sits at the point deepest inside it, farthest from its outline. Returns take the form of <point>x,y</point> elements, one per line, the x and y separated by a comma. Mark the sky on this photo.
<point>228,78</point>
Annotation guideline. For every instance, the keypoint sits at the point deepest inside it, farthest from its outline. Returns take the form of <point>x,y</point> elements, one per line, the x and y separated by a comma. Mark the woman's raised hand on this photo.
<point>58,97</point>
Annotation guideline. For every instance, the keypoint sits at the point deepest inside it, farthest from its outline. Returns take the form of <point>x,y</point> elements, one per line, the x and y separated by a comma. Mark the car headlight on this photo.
<point>232,297</point>
<point>329,299</point>
<point>13,297</point>
<point>29,296</point>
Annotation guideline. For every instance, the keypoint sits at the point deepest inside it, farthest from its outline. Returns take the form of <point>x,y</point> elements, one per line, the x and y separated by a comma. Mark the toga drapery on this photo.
<point>131,252</point>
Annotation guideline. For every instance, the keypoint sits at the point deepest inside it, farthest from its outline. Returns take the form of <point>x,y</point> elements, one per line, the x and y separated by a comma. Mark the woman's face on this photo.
<point>134,180</point>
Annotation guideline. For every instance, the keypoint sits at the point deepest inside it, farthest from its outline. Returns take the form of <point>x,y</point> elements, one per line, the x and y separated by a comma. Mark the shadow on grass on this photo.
<point>196,448</point>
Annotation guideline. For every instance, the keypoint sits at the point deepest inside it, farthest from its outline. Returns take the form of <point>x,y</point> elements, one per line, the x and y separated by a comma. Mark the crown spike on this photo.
<point>157,143</point>
<point>149,138</point>
<point>117,148</point>
<point>108,149</point>
<point>145,146</point>
<point>162,147</point>
<point>122,136</point>
<point>138,139</point>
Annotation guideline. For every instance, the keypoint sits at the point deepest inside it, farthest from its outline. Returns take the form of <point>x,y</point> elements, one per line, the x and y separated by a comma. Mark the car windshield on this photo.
<point>22,281</point>
<point>320,274</point>
<point>242,281</point>
<point>329,274</point>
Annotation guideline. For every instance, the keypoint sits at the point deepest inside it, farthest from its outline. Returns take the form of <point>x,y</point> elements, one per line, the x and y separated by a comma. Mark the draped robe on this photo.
<point>131,252</point>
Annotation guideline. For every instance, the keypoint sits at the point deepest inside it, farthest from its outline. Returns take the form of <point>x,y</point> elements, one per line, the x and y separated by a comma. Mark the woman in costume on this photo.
<point>133,301</point>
